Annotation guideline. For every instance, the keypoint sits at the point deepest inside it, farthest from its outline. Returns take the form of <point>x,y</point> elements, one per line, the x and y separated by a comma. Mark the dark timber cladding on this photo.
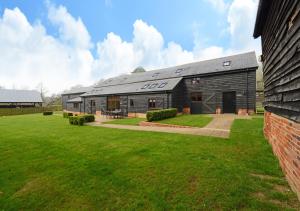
<point>192,88</point>
<point>278,24</point>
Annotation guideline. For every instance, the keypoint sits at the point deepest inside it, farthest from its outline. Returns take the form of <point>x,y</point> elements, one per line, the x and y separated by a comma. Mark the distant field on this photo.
<point>47,164</point>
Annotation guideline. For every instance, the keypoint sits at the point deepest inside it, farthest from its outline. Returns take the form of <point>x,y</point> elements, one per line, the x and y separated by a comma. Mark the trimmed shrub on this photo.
<point>161,114</point>
<point>80,120</point>
<point>21,111</point>
<point>89,118</point>
<point>67,114</point>
<point>76,120</point>
<point>71,120</point>
<point>47,113</point>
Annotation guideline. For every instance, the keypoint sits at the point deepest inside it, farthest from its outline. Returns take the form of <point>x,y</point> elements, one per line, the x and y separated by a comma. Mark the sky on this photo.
<point>60,44</point>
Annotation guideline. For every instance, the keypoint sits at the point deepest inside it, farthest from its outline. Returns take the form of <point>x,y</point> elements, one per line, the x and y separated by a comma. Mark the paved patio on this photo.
<point>218,127</point>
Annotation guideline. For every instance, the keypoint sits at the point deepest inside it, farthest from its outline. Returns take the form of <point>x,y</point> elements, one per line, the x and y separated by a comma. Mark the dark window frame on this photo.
<point>162,85</point>
<point>75,105</point>
<point>196,96</point>
<point>151,103</point>
<point>226,63</point>
<point>131,102</point>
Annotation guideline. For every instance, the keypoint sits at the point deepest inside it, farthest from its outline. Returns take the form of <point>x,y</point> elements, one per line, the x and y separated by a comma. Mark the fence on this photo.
<point>20,111</point>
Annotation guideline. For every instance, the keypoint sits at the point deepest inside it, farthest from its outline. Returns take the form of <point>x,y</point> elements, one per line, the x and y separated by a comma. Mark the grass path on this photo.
<point>45,163</point>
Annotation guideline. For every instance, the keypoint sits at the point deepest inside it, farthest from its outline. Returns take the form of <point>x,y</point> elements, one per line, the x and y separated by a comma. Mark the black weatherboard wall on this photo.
<point>212,88</point>
<point>278,24</point>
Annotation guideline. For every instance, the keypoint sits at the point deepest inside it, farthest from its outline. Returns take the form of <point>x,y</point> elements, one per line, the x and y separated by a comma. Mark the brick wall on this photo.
<point>284,136</point>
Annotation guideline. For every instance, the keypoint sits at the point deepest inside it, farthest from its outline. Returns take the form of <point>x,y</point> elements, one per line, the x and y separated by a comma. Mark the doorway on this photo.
<point>113,103</point>
<point>229,102</point>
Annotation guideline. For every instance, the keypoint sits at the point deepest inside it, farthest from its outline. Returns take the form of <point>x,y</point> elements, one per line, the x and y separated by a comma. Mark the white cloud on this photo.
<point>220,5</point>
<point>63,61</point>
<point>30,56</point>
<point>146,49</point>
<point>241,18</point>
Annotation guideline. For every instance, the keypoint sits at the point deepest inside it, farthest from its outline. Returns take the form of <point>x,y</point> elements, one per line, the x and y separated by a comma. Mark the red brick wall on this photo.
<point>284,136</point>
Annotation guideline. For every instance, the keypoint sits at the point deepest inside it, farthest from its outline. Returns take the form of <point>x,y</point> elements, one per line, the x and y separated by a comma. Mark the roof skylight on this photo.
<point>179,70</point>
<point>162,85</point>
<point>155,74</point>
<point>226,63</point>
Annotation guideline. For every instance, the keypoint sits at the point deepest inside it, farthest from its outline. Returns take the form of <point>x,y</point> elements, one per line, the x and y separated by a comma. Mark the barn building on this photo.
<point>11,98</point>
<point>278,25</point>
<point>224,85</point>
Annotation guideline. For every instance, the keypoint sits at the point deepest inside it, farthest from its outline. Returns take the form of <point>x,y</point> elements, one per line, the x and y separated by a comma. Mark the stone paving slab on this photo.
<point>192,130</point>
<point>218,127</point>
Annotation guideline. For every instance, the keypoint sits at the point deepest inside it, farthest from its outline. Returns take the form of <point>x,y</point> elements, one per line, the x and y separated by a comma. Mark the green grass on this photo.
<point>188,120</point>
<point>126,121</point>
<point>47,164</point>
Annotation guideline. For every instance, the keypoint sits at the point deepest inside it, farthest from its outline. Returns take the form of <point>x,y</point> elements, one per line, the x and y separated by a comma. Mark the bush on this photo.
<point>89,118</point>
<point>67,114</point>
<point>21,111</point>
<point>46,113</point>
<point>80,120</point>
<point>71,120</point>
<point>161,114</point>
<point>76,120</point>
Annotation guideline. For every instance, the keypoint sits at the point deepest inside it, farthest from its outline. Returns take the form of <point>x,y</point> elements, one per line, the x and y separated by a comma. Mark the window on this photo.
<point>155,74</point>
<point>93,103</point>
<point>162,85</point>
<point>153,86</point>
<point>113,103</point>
<point>195,81</point>
<point>131,103</point>
<point>196,96</point>
<point>179,70</point>
<point>226,63</point>
<point>146,86</point>
<point>151,103</point>
<point>75,105</point>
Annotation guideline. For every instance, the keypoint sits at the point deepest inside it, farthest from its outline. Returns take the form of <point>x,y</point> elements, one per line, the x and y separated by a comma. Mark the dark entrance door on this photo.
<point>196,102</point>
<point>92,107</point>
<point>229,102</point>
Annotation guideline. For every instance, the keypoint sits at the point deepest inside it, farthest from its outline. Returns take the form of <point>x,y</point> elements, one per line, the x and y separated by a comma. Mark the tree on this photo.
<point>139,70</point>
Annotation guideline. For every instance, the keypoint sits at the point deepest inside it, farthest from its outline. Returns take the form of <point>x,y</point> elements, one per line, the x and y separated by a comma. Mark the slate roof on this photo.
<point>75,100</point>
<point>134,83</point>
<point>138,87</point>
<point>237,62</point>
<point>78,90</point>
<point>20,96</point>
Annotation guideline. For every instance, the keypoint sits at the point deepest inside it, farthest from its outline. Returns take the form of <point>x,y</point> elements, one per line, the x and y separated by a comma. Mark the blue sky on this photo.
<point>97,39</point>
<point>177,20</point>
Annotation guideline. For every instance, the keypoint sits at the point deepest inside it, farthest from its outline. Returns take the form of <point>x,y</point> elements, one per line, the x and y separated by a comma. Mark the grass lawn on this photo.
<point>126,121</point>
<point>194,120</point>
<point>45,163</point>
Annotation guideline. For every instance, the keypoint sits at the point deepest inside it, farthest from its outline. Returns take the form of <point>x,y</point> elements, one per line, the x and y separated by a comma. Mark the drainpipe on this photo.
<point>84,105</point>
<point>247,94</point>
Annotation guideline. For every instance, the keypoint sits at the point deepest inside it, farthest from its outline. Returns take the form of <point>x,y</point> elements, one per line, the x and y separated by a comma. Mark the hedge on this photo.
<point>67,114</point>
<point>21,111</point>
<point>47,113</point>
<point>161,114</point>
<point>81,119</point>
<point>76,120</point>
<point>89,118</point>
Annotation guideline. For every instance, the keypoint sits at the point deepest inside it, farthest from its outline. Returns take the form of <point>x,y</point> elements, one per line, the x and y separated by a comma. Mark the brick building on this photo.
<point>278,25</point>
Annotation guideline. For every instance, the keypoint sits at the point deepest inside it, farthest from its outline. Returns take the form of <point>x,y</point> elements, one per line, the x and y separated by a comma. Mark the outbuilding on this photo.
<point>12,98</point>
